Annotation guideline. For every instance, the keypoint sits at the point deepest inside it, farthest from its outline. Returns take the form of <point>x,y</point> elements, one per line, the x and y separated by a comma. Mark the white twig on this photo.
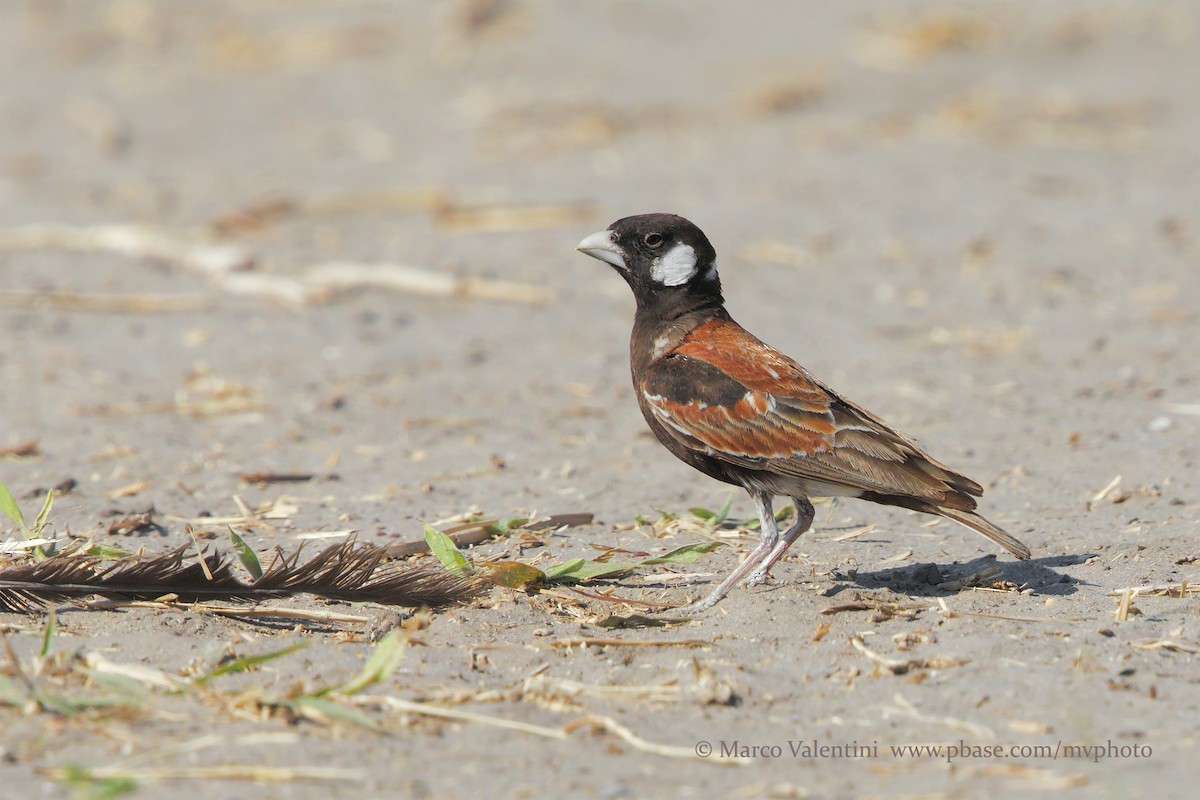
<point>669,751</point>
<point>400,704</point>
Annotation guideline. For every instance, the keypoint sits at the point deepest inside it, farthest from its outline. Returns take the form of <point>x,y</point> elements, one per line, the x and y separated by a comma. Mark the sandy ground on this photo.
<point>981,220</point>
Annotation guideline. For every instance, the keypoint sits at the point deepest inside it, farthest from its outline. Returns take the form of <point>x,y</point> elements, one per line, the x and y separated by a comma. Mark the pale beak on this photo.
<point>603,246</point>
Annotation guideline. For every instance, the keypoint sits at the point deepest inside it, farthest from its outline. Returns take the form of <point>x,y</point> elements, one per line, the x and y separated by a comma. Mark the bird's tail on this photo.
<point>997,535</point>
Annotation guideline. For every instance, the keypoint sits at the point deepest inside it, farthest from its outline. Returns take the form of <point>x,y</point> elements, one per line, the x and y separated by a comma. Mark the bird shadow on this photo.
<point>940,580</point>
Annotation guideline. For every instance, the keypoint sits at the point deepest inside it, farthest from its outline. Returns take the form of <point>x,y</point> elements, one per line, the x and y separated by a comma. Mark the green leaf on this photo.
<point>67,706</point>
<point>89,787</point>
<point>515,575</point>
<point>247,556</point>
<point>380,666</point>
<point>10,509</point>
<point>12,693</point>
<point>504,527</point>
<point>44,514</point>
<point>247,662</point>
<point>687,554</point>
<point>130,688</point>
<point>323,709</point>
<point>443,547</point>
<point>714,518</point>
<point>564,568</point>
<point>723,514</point>
<point>103,551</point>
<point>578,569</point>
<point>600,569</point>
<point>53,703</point>
<point>48,636</point>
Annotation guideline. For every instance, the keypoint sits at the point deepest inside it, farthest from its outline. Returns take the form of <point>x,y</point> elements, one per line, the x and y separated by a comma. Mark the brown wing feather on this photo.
<point>725,392</point>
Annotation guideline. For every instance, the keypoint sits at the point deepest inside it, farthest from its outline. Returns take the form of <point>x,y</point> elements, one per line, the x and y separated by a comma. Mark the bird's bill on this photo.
<point>601,245</point>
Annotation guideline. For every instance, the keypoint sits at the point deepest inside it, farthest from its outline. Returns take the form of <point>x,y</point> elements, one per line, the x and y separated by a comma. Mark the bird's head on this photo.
<point>662,257</point>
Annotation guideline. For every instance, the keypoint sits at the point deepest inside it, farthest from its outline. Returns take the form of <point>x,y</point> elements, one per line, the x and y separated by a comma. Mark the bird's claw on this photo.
<point>692,609</point>
<point>757,579</point>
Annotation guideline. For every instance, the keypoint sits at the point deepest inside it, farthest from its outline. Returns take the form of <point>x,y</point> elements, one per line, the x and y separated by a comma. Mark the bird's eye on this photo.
<point>653,240</point>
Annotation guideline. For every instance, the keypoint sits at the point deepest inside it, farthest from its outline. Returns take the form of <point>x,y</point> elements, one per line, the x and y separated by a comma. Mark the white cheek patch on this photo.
<point>676,267</point>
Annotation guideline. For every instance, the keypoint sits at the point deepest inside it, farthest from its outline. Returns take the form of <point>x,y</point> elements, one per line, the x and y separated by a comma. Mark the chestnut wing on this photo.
<point>762,411</point>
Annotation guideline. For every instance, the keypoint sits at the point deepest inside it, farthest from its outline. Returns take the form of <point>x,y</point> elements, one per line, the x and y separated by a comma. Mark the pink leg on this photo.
<point>804,518</point>
<point>769,542</point>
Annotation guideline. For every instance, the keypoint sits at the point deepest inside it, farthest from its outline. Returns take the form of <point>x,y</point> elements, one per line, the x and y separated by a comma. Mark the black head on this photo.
<point>663,258</point>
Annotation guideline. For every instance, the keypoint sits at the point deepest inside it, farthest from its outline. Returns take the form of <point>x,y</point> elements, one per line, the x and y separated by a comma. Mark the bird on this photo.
<point>740,411</point>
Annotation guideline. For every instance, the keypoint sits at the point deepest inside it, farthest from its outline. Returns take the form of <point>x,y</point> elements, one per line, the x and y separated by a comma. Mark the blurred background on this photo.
<point>307,267</point>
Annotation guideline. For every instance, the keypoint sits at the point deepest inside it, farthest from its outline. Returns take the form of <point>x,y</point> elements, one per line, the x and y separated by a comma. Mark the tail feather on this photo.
<point>996,534</point>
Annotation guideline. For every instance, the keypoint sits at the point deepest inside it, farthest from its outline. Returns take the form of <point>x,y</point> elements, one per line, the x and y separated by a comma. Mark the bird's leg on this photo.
<point>804,518</point>
<point>766,545</point>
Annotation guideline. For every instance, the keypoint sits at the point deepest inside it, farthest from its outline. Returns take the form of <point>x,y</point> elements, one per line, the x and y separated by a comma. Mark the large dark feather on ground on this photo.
<point>342,572</point>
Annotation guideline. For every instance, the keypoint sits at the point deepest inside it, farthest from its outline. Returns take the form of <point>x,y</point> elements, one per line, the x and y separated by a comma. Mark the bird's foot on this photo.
<point>757,578</point>
<point>693,609</point>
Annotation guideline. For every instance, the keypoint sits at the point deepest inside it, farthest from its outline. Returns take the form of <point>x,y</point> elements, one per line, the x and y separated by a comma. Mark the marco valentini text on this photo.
<point>961,750</point>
